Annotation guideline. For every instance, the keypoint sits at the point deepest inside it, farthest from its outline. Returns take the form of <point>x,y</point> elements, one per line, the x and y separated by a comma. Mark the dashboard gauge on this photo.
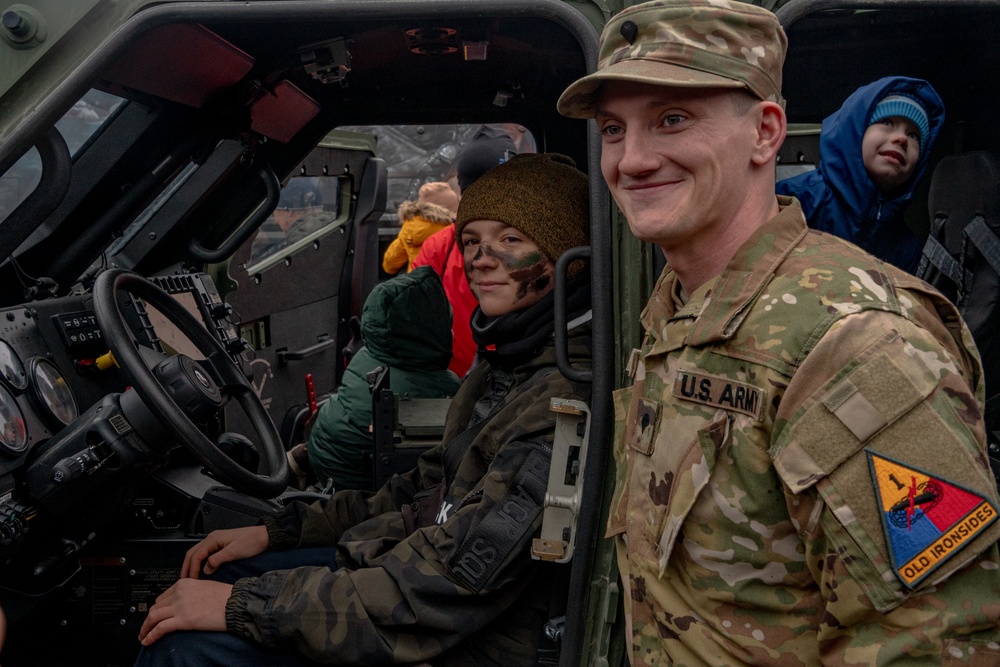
<point>11,368</point>
<point>13,435</point>
<point>52,391</point>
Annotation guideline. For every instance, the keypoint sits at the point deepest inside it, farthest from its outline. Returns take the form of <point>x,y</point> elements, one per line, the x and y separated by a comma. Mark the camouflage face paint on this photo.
<point>468,264</point>
<point>530,271</point>
<point>533,275</point>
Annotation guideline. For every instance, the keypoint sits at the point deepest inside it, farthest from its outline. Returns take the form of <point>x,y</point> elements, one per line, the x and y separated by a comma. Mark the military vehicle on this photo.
<point>143,148</point>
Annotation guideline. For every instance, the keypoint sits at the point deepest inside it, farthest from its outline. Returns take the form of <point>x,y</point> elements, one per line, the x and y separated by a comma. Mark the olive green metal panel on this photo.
<point>32,29</point>
<point>634,280</point>
<point>352,141</point>
<point>66,33</point>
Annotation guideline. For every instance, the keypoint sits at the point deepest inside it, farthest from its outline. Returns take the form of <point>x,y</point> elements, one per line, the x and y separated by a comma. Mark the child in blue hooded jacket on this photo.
<point>873,152</point>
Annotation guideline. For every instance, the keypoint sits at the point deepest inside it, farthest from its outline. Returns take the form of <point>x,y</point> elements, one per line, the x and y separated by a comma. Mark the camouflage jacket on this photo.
<point>801,473</point>
<point>464,591</point>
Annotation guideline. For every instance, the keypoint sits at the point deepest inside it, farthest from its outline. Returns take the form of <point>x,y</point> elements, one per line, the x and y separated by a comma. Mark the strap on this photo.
<point>936,255</point>
<point>932,247</point>
<point>456,449</point>
<point>985,240</point>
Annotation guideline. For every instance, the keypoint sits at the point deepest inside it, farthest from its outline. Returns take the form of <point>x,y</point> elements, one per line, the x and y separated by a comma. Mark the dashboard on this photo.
<point>55,367</point>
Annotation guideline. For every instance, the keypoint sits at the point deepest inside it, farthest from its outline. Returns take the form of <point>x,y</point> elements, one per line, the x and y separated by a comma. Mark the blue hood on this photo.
<point>839,197</point>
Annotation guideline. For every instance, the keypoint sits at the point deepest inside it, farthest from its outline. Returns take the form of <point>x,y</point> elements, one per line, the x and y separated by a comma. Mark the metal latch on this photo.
<point>565,489</point>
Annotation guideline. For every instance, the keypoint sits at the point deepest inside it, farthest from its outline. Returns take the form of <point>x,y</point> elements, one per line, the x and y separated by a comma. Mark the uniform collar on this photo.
<point>735,289</point>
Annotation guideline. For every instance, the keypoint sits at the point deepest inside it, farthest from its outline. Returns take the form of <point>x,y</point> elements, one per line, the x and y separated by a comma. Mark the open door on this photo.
<point>305,273</point>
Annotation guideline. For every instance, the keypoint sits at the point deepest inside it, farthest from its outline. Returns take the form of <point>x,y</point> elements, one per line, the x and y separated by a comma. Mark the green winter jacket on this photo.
<point>406,325</point>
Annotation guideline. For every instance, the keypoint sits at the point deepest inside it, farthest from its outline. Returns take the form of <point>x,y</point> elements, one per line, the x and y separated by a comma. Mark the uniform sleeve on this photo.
<point>432,590</point>
<point>395,256</point>
<point>879,442</point>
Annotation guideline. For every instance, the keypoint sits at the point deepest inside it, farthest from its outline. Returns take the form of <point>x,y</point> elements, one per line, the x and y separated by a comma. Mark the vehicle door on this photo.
<point>294,286</point>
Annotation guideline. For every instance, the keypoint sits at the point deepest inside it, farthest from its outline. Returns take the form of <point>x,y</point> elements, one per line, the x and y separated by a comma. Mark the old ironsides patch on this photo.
<point>720,392</point>
<point>926,519</point>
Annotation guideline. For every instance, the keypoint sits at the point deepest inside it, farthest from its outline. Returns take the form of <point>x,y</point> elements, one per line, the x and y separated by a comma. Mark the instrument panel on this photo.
<point>43,380</point>
<point>53,370</point>
<point>49,351</point>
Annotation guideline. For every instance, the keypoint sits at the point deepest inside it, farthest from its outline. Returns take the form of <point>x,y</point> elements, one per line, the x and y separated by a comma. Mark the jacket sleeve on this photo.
<point>323,522</point>
<point>433,588</point>
<point>433,251</point>
<point>884,466</point>
<point>395,256</point>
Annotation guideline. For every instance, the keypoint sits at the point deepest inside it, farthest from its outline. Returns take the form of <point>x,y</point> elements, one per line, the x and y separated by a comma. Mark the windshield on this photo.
<point>418,154</point>
<point>77,127</point>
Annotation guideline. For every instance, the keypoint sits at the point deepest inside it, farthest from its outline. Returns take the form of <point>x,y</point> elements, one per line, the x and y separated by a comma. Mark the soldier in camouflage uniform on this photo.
<point>801,472</point>
<point>435,567</point>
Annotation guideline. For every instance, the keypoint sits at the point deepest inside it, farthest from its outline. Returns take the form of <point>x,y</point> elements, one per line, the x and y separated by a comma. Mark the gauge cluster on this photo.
<point>43,383</point>
<point>44,379</point>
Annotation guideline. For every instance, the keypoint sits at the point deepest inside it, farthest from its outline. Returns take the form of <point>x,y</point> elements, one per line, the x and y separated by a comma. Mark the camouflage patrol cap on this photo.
<point>687,43</point>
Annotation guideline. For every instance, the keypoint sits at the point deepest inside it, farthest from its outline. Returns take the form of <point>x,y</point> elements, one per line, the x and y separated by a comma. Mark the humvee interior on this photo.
<point>144,147</point>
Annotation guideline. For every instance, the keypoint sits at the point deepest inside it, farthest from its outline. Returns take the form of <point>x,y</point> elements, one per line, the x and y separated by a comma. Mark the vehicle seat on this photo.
<point>293,425</point>
<point>962,258</point>
<point>964,187</point>
<point>402,428</point>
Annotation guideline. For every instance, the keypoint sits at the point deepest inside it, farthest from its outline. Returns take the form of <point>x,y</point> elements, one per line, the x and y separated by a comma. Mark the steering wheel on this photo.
<point>271,477</point>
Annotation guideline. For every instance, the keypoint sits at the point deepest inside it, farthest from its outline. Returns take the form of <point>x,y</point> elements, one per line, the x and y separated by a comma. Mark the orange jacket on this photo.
<point>420,220</point>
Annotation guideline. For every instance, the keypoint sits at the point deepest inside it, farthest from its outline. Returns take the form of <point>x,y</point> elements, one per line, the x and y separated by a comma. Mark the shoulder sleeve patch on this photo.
<point>908,495</point>
<point>926,519</point>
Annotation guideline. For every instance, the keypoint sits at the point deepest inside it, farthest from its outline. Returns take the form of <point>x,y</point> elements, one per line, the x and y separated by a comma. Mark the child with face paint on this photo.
<point>512,224</point>
<point>416,543</point>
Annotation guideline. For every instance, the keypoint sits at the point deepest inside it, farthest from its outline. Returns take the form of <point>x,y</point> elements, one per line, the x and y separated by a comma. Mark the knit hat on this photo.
<point>904,107</point>
<point>685,43</point>
<point>439,194</point>
<point>543,195</point>
<point>486,150</point>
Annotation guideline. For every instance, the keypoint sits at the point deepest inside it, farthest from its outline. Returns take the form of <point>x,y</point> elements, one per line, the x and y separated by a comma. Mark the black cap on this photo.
<point>489,148</point>
<point>300,193</point>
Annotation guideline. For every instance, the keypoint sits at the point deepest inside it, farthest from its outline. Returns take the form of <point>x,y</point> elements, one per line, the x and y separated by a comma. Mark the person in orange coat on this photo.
<point>433,211</point>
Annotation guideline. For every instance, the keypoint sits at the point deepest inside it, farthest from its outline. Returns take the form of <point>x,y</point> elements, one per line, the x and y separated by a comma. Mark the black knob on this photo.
<point>71,466</point>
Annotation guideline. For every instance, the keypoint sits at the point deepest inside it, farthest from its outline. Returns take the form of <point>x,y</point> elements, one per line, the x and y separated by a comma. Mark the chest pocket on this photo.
<point>664,458</point>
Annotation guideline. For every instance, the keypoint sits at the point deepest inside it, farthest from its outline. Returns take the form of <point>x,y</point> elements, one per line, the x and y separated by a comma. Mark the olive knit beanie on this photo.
<point>543,195</point>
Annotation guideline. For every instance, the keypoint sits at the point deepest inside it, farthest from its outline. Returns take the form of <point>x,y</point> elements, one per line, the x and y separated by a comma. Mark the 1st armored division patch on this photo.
<point>926,519</point>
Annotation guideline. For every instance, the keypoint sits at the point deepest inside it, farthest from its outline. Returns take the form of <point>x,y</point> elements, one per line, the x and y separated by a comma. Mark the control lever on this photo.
<point>71,467</point>
<point>48,565</point>
<point>311,394</point>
